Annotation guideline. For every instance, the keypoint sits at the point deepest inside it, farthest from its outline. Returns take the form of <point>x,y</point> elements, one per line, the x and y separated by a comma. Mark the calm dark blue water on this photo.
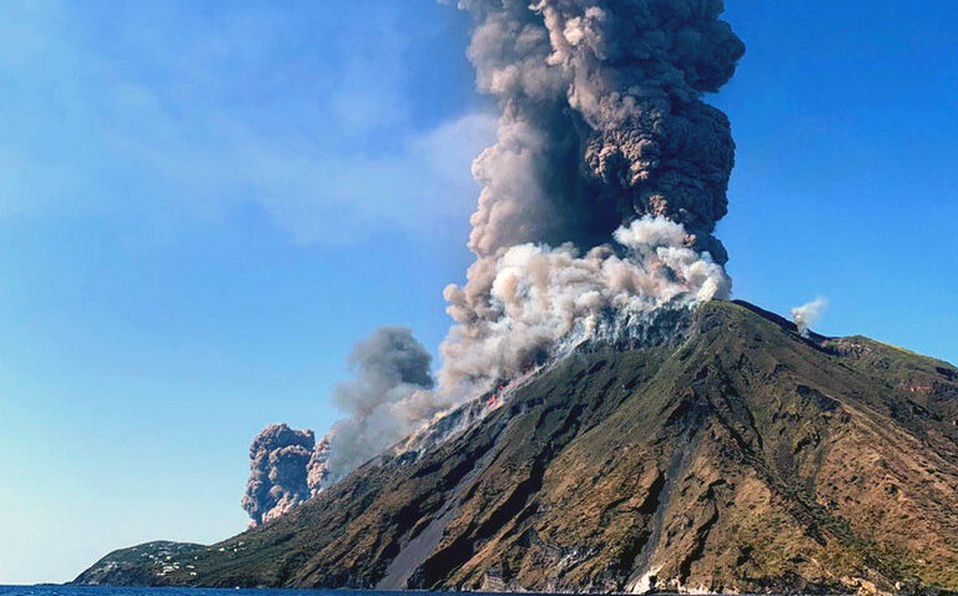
<point>104,591</point>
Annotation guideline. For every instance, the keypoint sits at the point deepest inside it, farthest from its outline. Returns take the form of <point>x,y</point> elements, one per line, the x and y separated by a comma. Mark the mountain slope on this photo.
<point>142,564</point>
<point>747,458</point>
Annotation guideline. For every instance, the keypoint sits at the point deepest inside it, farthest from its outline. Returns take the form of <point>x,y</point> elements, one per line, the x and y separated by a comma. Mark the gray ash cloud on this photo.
<point>317,470</point>
<point>601,196</point>
<point>388,366</point>
<point>597,213</point>
<point>389,396</point>
<point>602,118</point>
<point>278,472</point>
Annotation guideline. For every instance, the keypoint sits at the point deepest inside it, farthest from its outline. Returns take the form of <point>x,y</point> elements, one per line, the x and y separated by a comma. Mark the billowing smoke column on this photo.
<point>278,478</point>
<point>601,196</point>
<point>389,397</point>
<point>597,213</point>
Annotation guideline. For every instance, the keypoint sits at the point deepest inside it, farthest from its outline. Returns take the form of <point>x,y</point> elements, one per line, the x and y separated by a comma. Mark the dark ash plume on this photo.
<point>602,119</point>
<point>278,478</point>
<point>609,174</point>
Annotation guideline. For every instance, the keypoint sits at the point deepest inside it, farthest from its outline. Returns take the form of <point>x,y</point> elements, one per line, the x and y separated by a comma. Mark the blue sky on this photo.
<point>203,206</point>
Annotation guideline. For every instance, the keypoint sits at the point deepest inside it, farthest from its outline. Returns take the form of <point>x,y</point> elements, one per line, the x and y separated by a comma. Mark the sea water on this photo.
<point>49,590</point>
<point>53,590</point>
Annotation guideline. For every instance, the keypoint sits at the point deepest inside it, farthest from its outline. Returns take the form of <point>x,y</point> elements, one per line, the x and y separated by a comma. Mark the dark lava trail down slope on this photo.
<point>746,459</point>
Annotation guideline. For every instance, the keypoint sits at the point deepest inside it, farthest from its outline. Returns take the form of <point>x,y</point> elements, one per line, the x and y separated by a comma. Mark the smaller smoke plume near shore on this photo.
<point>389,396</point>
<point>278,478</point>
<point>808,314</point>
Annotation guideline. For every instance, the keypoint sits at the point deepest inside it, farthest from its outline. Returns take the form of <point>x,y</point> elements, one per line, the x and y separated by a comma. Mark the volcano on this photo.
<point>742,457</point>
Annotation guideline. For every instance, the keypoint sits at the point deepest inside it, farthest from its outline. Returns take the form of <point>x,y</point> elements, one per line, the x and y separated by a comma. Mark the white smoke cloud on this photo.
<point>540,298</point>
<point>808,314</point>
<point>543,303</point>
